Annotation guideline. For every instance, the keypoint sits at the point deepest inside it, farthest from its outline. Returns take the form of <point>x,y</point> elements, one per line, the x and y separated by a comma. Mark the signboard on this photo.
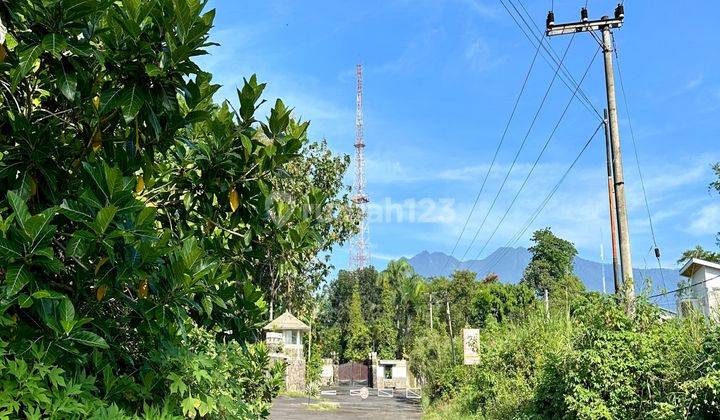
<point>471,337</point>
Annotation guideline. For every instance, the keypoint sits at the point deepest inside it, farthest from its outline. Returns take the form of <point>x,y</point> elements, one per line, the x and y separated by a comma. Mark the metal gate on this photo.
<point>353,373</point>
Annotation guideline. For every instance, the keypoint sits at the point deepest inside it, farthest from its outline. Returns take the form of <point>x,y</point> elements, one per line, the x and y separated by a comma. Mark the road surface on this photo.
<point>348,407</point>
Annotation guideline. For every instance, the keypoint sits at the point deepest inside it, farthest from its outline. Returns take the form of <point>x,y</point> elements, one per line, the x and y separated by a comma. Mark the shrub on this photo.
<point>138,218</point>
<point>590,360</point>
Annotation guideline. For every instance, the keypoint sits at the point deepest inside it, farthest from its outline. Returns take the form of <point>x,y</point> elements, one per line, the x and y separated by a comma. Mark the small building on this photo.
<point>390,373</point>
<point>284,337</point>
<point>703,292</point>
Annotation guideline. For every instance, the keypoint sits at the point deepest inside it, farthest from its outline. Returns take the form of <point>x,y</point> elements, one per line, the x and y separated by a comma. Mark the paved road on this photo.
<point>350,407</point>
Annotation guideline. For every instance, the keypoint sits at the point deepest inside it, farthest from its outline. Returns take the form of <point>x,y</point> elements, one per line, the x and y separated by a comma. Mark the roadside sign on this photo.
<point>470,345</point>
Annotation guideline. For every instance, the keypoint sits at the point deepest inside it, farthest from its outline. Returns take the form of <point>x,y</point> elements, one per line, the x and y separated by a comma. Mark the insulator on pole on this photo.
<point>584,14</point>
<point>620,12</point>
<point>657,252</point>
<point>550,19</point>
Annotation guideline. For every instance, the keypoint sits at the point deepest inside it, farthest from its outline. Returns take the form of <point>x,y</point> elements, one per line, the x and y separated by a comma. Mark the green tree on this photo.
<point>385,329</point>
<point>502,302</point>
<point>335,309</point>
<point>138,215</point>
<point>357,333</point>
<point>551,266</point>
<point>701,253</point>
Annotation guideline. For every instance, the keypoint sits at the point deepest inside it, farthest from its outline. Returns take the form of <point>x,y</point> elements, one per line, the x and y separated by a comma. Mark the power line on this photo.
<point>637,162</point>
<point>684,287</point>
<point>545,201</point>
<point>497,150</point>
<point>542,151</point>
<point>551,52</point>
<point>517,154</point>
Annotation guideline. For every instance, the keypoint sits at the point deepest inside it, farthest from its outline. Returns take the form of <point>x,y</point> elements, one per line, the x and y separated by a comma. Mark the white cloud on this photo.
<point>482,8</point>
<point>706,221</point>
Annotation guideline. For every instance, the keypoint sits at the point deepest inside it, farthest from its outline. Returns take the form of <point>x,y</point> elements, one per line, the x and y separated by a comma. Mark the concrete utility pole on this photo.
<point>605,25</point>
<point>613,208</point>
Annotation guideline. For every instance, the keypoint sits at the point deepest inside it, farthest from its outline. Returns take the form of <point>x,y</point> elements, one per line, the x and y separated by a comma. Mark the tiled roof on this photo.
<point>286,321</point>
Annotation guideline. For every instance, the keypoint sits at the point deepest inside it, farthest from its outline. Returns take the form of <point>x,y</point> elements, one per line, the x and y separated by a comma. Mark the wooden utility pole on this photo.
<point>431,314</point>
<point>613,209</point>
<point>452,344</point>
<point>605,25</point>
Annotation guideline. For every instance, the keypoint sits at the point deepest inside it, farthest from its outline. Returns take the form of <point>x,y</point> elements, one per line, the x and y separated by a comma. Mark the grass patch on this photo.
<point>445,411</point>
<point>294,394</point>
<point>323,406</point>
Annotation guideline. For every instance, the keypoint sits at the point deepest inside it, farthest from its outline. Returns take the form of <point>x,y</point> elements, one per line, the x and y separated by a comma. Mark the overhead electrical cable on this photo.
<point>520,149</point>
<point>540,155</point>
<point>637,162</point>
<point>539,37</point>
<point>515,238</point>
<point>494,158</point>
<point>679,289</point>
<point>550,53</point>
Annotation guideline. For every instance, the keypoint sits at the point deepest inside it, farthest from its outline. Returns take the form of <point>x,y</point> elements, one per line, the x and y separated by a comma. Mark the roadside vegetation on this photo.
<point>584,357</point>
<point>145,230</point>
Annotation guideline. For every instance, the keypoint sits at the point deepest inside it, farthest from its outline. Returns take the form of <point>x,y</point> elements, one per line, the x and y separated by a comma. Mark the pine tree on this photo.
<point>385,331</point>
<point>357,333</point>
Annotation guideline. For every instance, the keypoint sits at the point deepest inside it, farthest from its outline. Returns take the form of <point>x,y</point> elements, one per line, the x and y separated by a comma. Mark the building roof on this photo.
<point>286,321</point>
<point>695,264</point>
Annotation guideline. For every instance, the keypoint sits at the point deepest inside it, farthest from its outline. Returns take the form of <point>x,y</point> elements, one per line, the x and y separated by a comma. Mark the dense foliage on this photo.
<point>142,226</point>
<point>405,314</point>
<point>593,362</point>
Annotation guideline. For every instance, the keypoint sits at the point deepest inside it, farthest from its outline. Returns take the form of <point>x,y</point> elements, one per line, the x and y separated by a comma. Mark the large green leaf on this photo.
<point>16,278</point>
<point>9,250</point>
<point>73,211</point>
<point>131,102</point>
<point>77,9</point>
<point>89,339</point>
<point>48,294</point>
<point>103,219</point>
<point>67,310</point>
<point>39,229</point>
<point>78,245</point>
<point>67,81</point>
<point>26,61</point>
<point>54,44</point>
<point>22,214</point>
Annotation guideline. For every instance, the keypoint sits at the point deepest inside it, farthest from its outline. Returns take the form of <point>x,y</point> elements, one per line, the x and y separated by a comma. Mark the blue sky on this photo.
<point>440,79</point>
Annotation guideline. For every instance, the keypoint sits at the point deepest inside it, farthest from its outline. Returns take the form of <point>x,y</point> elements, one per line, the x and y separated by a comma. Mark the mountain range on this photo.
<point>509,264</point>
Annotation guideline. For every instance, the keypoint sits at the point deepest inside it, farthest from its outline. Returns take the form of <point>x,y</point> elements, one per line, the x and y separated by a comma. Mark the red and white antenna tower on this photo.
<point>359,249</point>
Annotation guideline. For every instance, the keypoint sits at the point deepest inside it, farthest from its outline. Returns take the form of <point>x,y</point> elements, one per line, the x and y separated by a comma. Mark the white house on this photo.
<point>703,293</point>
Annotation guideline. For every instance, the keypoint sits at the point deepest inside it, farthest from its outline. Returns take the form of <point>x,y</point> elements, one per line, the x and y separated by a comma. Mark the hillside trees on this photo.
<point>138,218</point>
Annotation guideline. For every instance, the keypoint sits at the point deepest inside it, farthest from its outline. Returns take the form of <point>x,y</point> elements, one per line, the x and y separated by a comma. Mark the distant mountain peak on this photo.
<point>509,264</point>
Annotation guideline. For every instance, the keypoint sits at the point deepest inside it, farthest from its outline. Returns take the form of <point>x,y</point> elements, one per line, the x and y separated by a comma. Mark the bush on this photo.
<point>590,360</point>
<point>138,219</point>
